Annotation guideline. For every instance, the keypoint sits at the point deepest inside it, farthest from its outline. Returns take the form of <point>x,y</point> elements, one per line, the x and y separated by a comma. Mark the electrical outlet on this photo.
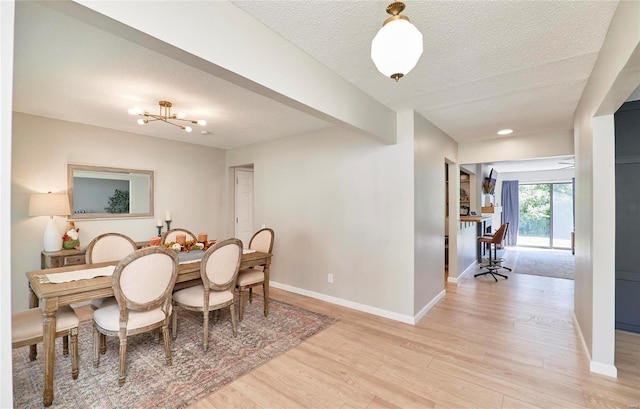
<point>330,278</point>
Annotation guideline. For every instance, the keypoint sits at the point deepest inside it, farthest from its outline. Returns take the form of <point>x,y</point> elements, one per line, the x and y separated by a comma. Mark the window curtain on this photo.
<point>510,210</point>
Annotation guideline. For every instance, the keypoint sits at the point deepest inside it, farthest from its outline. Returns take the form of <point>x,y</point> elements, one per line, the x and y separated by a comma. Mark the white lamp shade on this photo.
<point>49,204</point>
<point>396,48</point>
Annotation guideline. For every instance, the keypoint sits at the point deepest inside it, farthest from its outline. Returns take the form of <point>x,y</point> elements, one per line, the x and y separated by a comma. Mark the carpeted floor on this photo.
<point>541,262</point>
<point>150,383</point>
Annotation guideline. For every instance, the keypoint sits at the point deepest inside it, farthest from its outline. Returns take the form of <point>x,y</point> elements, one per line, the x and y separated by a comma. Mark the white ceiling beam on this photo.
<point>219,38</point>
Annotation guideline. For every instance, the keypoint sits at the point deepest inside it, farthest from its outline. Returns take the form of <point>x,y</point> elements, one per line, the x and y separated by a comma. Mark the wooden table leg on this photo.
<point>49,336</point>
<point>266,288</point>
<point>33,303</point>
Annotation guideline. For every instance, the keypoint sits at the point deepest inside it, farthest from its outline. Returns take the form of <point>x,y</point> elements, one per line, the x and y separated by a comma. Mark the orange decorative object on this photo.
<point>202,237</point>
<point>181,239</point>
<point>154,241</point>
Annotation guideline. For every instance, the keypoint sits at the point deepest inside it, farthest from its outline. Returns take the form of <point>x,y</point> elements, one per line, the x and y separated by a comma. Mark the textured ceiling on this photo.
<point>486,65</point>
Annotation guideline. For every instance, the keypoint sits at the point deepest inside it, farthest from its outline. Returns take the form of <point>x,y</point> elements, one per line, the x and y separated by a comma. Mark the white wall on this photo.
<point>339,203</point>
<point>432,149</point>
<point>189,181</point>
<point>6,87</point>
<point>613,78</point>
<point>557,143</point>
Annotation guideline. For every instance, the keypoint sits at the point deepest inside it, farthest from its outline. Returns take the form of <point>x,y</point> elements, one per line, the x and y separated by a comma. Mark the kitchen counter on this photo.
<point>474,219</point>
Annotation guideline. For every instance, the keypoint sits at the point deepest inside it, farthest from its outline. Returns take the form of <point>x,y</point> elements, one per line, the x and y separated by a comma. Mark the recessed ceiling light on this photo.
<point>204,132</point>
<point>505,131</point>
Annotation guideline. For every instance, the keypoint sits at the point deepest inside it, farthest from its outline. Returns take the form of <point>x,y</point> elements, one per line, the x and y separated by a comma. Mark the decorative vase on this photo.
<point>487,200</point>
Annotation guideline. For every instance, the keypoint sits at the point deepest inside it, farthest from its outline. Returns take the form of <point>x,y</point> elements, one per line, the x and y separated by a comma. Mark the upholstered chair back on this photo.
<point>262,241</point>
<point>170,235</point>
<point>109,247</point>
<point>144,280</point>
<point>219,266</point>
<point>498,237</point>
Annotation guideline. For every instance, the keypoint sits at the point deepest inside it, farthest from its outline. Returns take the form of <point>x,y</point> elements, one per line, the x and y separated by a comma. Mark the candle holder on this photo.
<point>159,230</point>
<point>168,224</point>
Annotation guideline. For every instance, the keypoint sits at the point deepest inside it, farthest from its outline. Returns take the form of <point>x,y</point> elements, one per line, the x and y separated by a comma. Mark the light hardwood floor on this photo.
<point>510,344</point>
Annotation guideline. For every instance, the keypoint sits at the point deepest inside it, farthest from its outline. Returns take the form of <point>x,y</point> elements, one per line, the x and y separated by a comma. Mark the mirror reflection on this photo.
<point>105,192</point>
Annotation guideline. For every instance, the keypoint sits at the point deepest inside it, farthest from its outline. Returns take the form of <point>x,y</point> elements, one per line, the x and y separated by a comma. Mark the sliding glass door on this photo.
<point>546,215</point>
<point>561,215</point>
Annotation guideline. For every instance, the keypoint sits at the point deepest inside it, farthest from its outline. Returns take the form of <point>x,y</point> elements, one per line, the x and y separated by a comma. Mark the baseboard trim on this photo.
<point>584,343</point>
<point>594,366</point>
<point>429,306</point>
<point>407,319</point>
<point>603,369</point>
<point>465,272</point>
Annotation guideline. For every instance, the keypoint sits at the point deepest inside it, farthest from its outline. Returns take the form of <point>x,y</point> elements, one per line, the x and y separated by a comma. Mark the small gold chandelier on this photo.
<point>165,116</point>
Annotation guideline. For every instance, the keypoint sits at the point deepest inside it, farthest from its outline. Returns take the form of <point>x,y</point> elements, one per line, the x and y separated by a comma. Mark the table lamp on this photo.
<point>50,204</point>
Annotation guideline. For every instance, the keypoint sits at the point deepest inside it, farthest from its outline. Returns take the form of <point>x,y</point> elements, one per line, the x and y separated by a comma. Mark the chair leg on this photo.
<point>174,322</point>
<point>74,352</point>
<point>103,344</point>
<point>250,295</point>
<point>33,352</point>
<point>265,294</point>
<point>233,319</point>
<point>123,359</point>
<point>240,304</point>
<point>167,344</point>
<point>205,330</point>
<point>97,341</point>
<point>492,268</point>
<point>65,345</point>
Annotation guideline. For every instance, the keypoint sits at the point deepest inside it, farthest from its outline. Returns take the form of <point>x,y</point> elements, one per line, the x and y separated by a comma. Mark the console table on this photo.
<point>64,258</point>
<point>61,258</point>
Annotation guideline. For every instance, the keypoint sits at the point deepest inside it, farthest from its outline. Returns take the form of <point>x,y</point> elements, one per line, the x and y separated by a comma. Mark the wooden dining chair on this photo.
<point>248,278</point>
<point>170,235</point>
<point>26,329</point>
<point>218,270</point>
<point>108,247</point>
<point>142,284</point>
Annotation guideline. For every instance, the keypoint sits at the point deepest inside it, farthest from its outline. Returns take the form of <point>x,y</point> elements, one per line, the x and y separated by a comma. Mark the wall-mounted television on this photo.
<point>489,183</point>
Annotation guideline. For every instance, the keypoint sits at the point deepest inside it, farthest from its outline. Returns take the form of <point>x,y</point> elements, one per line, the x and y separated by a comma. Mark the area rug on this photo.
<point>542,262</point>
<point>150,383</point>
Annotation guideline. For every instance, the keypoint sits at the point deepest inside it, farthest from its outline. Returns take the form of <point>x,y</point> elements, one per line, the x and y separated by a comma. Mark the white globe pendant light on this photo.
<point>397,47</point>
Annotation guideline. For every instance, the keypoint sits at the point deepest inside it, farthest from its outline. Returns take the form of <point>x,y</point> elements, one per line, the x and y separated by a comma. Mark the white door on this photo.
<point>244,205</point>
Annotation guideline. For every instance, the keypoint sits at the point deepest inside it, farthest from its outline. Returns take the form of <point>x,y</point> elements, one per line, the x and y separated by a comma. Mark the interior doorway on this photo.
<point>243,205</point>
<point>546,215</point>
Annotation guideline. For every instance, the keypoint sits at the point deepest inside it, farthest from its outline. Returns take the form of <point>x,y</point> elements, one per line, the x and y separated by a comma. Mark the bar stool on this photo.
<point>495,240</point>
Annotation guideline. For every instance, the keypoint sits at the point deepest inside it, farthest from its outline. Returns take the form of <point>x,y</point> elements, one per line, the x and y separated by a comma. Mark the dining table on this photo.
<point>53,288</point>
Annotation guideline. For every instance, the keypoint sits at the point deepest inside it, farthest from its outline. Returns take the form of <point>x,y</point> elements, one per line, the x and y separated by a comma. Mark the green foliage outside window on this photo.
<point>535,208</point>
<point>119,202</point>
<point>535,212</point>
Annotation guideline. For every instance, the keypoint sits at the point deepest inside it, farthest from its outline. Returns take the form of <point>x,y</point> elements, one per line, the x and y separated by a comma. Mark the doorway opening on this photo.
<point>546,217</point>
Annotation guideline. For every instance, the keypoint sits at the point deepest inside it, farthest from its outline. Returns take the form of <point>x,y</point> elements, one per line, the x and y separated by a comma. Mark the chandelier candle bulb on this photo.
<point>167,216</point>
<point>158,223</point>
